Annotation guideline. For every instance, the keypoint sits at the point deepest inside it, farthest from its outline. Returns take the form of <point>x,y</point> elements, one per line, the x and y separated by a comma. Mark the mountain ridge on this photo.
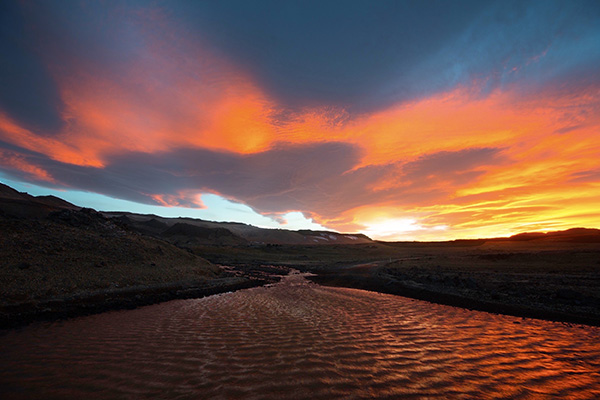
<point>23,205</point>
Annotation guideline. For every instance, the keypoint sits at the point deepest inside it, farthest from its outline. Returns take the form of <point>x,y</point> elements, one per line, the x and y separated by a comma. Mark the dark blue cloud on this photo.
<point>526,43</point>
<point>41,41</point>
<point>284,178</point>
<point>454,167</point>
<point>74,37</point>
<point>363,54</point>
<point>315,178</point>
<point>28,93</point>
<point>329,52</point>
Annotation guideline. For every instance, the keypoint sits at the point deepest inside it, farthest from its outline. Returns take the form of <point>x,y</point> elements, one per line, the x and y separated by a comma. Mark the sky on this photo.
<point>403,120</point>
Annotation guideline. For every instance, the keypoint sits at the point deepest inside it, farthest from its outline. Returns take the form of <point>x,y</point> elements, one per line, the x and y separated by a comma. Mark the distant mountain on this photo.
<point>579,235</point>
<point>180,231</point>
<point>52,201</point>
<point>23,205</point>
<point>183,233</point>
<point>574,235</point>
<point>6,192</point>
<point>190,231</point>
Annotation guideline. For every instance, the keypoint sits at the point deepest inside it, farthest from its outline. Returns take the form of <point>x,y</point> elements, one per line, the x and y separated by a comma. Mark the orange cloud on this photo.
<point>180,95</point>
<point>190,199</point>
<point>547,142</point>
<point>107,117</point>
<point>14,161</point>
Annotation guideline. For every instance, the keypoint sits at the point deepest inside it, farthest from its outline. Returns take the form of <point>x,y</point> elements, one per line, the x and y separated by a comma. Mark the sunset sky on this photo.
<point>404,120</point>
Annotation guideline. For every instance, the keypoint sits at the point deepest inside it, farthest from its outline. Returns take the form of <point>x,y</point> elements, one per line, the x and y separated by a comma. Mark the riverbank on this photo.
<point>93,302</point>
<point>77,262</point>
<point>552,298</point>
<point>87,302</point>
<point>552,277</point>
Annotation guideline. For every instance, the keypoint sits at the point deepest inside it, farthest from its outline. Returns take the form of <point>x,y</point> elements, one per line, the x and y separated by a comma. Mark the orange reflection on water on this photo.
<point>302,340</point>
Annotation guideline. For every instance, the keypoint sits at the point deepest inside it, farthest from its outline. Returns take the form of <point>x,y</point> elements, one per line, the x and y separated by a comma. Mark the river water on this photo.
<point>299,340</point>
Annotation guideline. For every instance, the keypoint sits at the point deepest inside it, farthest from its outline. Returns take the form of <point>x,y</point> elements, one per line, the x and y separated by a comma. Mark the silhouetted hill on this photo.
<point>182,231</point>
<point>190,231</point>
<point>185,234</point>
<point>154,224</point>
<point>576,235</point>
<point>53,201</point>
<point>197,231</point>
<point>22,205</point>
<point>55,259</point>
<point>6,192</point>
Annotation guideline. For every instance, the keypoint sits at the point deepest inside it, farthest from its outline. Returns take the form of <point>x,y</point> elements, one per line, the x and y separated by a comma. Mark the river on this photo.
<point>299,340</point>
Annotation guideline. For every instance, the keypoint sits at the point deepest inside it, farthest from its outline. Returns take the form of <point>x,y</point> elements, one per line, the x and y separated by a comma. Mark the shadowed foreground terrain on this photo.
<point>548,280</point>
<point>58,260</point>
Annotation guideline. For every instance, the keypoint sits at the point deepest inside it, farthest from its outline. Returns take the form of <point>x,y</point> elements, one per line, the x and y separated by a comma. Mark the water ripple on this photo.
<point>302,341</point>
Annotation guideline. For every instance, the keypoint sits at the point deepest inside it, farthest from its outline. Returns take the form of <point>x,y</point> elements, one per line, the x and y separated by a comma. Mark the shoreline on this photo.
<point>13,316</point>
<point>347,279</point>
<point>94,302</point>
